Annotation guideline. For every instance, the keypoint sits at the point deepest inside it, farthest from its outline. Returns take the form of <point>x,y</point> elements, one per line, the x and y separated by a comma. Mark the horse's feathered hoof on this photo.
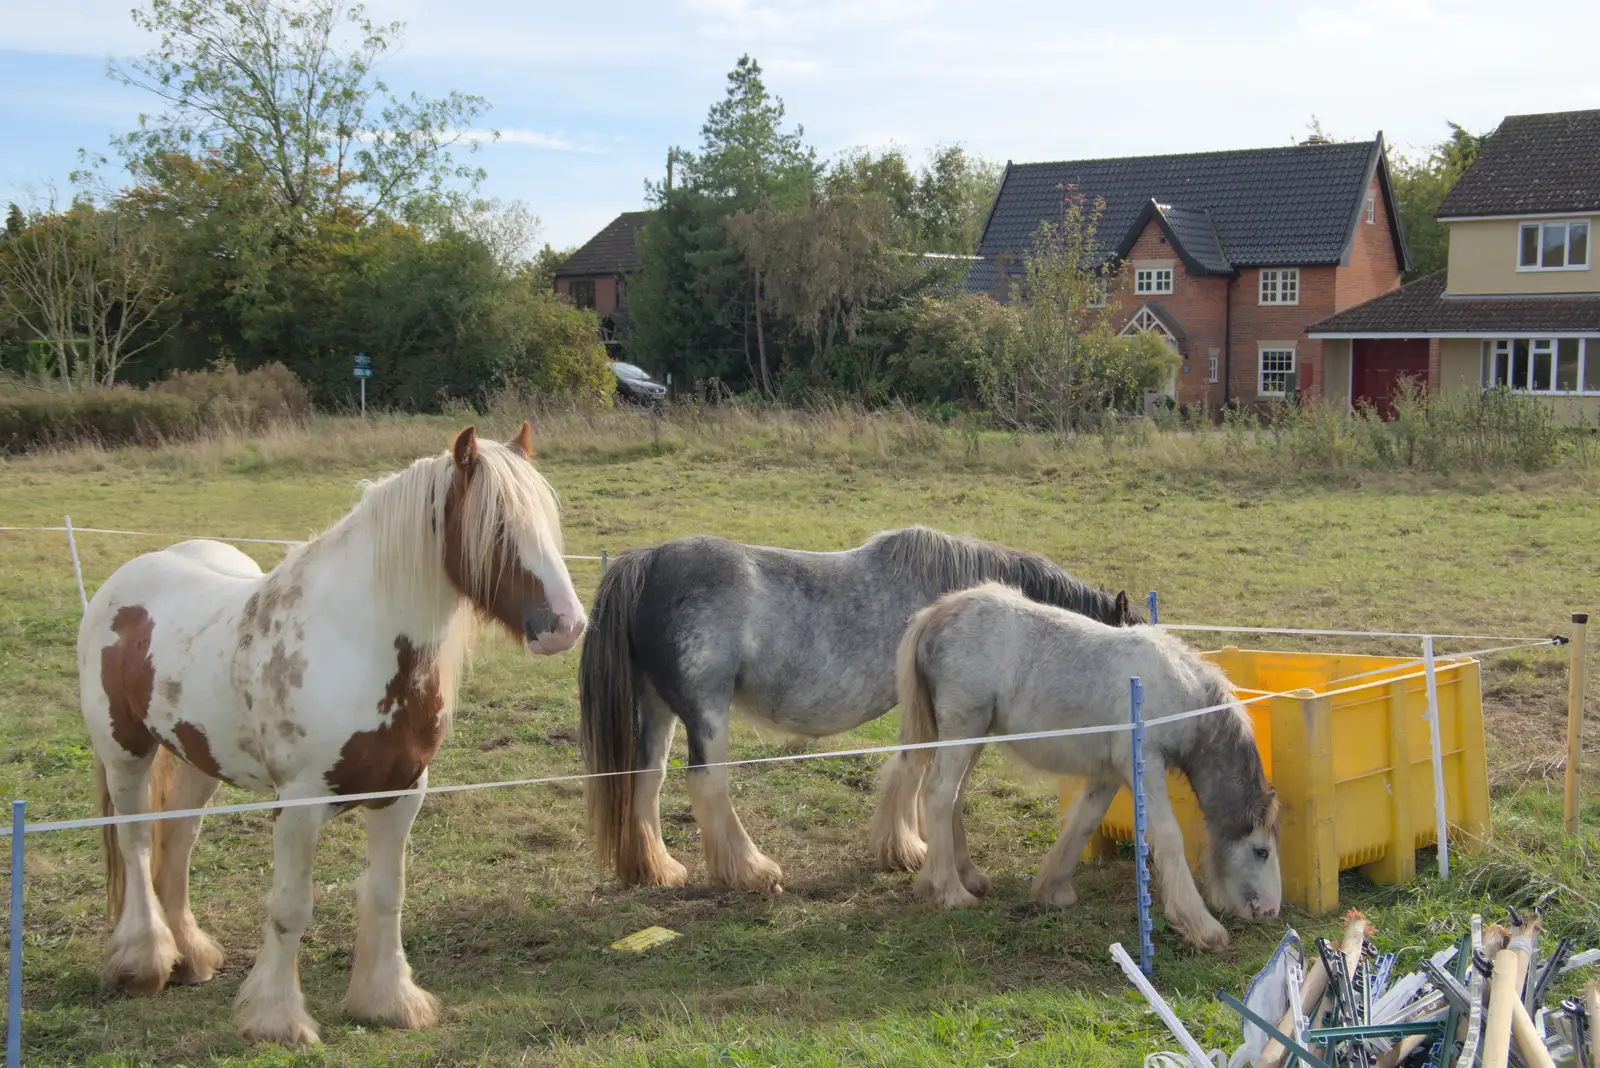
<point>1207,934</point>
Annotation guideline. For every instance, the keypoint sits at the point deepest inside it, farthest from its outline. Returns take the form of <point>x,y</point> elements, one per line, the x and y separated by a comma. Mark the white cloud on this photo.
<point>555,142</point>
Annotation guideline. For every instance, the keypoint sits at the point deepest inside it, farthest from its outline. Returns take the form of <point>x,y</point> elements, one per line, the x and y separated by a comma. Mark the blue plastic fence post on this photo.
<point>14,981</point>
<point>603,562</point>
<point>1151,602</point>
<point>1141,827</point>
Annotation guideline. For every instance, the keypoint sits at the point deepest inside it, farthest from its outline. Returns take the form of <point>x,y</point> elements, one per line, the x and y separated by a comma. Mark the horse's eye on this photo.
<point>1263,853</point>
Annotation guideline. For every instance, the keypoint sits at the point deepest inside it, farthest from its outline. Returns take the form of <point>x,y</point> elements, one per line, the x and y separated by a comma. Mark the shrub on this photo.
<point>184,406</point>
<point>562,355</point>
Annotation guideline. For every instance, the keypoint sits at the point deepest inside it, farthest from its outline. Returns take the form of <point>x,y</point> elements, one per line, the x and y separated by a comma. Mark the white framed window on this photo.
<point>1276,366</point>
<point>1281,286</point>
<point>1212,369</point>
<point>1543,365</point>
<point>1152,280</point>
<point>1372,208</point>
<point>1560,245</point>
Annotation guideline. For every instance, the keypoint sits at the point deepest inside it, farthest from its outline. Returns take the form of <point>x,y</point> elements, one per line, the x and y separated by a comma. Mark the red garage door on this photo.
<point>1379,365</point>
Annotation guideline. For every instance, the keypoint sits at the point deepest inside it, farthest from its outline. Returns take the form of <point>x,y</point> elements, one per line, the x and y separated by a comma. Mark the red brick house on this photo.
<point>596,275</point>
<point>1229,256</point>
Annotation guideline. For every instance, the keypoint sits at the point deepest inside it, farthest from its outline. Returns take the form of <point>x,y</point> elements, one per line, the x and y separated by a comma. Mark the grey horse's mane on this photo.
<point>1230,792</point>
<point>954,562</point>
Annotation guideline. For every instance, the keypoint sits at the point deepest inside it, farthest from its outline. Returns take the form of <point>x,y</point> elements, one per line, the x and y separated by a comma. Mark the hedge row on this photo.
<point>185,406</point>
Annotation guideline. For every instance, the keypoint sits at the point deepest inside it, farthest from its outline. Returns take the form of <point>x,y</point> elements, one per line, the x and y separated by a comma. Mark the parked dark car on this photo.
<point>637,386</point>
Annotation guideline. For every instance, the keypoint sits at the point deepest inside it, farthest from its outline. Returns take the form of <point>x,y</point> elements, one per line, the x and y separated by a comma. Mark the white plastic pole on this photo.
<point>1440,821</point>
<point>1197,1056</point>
<point>77,569</point>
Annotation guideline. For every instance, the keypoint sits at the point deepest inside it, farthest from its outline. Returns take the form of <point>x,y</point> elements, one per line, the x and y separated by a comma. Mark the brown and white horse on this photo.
<point>334,673</point>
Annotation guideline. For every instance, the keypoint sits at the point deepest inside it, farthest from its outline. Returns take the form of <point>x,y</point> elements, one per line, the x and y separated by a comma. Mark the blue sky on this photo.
<point>589,96</point>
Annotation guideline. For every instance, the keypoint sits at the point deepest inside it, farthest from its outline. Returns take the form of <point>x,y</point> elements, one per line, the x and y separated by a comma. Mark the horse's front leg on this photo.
<point>1180,898</point>
<point>1052,883</point>
<point>732,859</point>
<point>381,989</point>
<point>270,1007</point>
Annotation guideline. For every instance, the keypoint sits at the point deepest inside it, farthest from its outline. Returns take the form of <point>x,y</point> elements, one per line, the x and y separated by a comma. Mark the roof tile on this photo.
<point>613,250</point>
<point>1532,164</point>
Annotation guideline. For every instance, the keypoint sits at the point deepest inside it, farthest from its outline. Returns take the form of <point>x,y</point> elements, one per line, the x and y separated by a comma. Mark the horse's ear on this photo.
<point>465,449</point>
<point>1122,604</point>
<point>523,442</point>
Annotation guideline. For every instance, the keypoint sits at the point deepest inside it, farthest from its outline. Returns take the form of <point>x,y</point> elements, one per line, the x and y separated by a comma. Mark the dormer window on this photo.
<point>1152,280</point>
<point>1553,246</point>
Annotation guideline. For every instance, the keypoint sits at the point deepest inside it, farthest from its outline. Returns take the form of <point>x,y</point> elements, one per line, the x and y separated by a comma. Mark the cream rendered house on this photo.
<point>1519,304</point>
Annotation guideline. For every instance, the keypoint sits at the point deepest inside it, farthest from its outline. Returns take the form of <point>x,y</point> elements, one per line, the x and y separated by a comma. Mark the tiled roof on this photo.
<point>613,250</point>
<point>1532,164</point>
<point>1295,206</point>
<point>1193,231</point>
<point>1423,308</point>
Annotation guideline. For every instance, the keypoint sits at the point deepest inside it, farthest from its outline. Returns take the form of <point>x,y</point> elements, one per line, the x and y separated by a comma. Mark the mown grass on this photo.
<point>508,920</point>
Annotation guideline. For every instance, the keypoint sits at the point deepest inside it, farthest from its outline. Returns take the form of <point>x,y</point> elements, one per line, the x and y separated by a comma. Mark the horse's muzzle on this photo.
<point>547,632</point>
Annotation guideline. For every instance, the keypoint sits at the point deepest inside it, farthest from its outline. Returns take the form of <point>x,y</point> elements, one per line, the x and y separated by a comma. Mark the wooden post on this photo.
<point>1575,684</point>
<point>1502,999</point>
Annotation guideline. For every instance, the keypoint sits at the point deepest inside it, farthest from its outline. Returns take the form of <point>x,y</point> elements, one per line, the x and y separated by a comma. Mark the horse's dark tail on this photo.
<point>608,702</point>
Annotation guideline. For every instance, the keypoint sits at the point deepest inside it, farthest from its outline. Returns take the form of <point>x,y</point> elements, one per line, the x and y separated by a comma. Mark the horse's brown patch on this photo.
<point>194,747</point>
<point>393,755</point>
<point>129,677</point>
<point>285,670</point>
<point>510,584</point>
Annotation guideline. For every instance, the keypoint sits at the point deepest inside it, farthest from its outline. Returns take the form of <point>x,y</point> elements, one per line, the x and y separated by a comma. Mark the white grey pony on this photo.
<point>801,641</point>
<point>988,661</point>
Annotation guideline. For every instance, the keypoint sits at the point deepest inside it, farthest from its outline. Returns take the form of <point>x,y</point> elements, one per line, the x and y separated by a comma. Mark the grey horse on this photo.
<point>989,661</point>
<point>801,641</point>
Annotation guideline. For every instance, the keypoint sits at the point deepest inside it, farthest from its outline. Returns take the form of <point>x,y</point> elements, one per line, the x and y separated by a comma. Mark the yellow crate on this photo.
<point>1351,763</point>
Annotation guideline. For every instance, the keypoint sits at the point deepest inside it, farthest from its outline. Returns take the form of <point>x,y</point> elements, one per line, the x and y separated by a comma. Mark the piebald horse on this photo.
<point>989,661</point>
<point>334,673</point>
<point>801,641</point>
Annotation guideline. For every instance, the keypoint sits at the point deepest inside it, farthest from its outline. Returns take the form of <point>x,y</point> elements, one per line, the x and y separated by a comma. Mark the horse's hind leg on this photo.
<point>940,878</point>
<point>270,1007</point>
<point>654,866</point>
<point>1180,898</point>
<point>896,832</point>
<point>1052,883</point>
<point>732,859</point>
<point>200,953</point>
<point>971,876</point>
<point>381,989</point>
<point>142,950</point>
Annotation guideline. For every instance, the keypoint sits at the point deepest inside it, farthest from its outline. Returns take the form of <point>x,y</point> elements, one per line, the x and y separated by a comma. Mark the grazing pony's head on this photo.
<point>480,523</point>
<point>1240,806</point>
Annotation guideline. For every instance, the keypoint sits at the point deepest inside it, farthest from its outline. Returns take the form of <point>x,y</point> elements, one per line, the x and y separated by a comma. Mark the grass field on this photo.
<point>508,919</point>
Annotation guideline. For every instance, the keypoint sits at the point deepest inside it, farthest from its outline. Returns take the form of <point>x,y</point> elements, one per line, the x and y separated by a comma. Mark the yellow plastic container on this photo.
<point>1352,765</point>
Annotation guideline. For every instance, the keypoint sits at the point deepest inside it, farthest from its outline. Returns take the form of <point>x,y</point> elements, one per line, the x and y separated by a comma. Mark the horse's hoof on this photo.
<point>1062,896</point>
<point>291,1033</point>
<point>953,896</point>
<point>141,968</point>
<point>975,881</point>
<point>407,1006</point>
<point>1208,935</point>
<point>264,1014</point>
<point>202,956</point>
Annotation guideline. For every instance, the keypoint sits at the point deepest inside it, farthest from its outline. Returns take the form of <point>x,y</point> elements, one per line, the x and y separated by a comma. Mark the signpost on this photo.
<point>363,372</point>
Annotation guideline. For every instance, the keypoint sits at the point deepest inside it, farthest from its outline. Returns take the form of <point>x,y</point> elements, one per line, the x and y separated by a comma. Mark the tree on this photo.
<point>952,200</point>
<point>698,305</point>
<point>1064,362</point>
<point>820,266</point>
<point>285,90</point>
<point>1420,186</point>
<point>92,283</point>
